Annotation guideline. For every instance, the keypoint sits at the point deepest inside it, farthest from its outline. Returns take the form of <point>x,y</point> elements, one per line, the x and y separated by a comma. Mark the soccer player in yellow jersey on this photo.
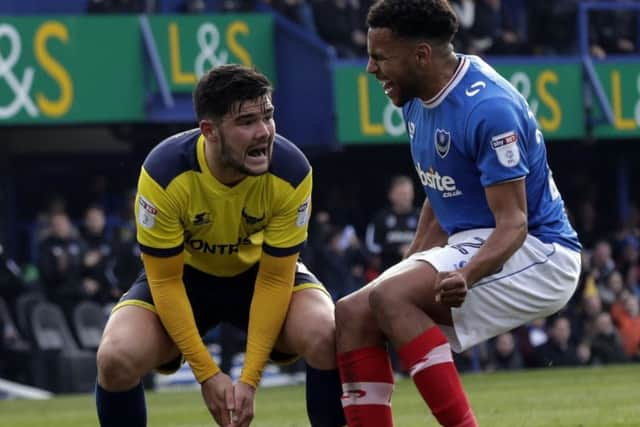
<point>222,213</point>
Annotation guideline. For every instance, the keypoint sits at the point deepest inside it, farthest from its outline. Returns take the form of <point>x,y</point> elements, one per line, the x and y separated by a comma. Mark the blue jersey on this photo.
<point>476,132</point>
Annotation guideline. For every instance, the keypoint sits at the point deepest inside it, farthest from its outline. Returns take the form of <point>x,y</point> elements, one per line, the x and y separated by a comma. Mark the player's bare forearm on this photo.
<point>428,233</point>
<point>508,204</point>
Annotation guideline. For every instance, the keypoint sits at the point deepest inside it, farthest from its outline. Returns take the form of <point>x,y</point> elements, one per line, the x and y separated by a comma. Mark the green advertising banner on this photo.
<point>190,45</point>
<point>88,69</point>
<point>554,94</point>
<point>70,69</point>
<point>621,82</point>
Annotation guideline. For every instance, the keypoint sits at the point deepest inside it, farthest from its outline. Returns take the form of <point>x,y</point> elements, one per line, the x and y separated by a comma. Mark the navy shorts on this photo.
<point>217,299</point>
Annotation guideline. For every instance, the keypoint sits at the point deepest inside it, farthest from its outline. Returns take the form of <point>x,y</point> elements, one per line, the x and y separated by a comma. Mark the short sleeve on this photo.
<point>159,230</point>
<point>496,133</point>
<point>286,233</point>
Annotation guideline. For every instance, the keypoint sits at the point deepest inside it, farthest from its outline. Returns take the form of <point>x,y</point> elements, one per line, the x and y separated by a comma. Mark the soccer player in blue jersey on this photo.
<point>222,213</point>
<point>493,249</point>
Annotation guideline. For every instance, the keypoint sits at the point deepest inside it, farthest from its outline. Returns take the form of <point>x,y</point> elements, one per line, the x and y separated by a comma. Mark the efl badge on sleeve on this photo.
<point>443,142</point>
<point>146,213</point>
<point>303,214</point>
<point>506,146</point>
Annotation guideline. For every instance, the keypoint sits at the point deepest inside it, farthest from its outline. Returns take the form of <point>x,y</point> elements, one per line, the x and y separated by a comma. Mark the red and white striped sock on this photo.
<point>367,384</point>
<point>429,361</point>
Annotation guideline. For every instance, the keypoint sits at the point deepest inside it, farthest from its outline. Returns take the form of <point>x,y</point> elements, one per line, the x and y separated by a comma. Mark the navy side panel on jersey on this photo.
<point>288,162</point>
<point>172,157</point>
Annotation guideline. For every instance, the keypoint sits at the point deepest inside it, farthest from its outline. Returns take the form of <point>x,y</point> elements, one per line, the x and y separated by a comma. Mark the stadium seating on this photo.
<point>88,322</point>
<point>24,304</point>
<point>74,369</point>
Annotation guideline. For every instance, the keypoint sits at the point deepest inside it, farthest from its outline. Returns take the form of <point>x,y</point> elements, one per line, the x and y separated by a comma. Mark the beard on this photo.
<point>228,161</point>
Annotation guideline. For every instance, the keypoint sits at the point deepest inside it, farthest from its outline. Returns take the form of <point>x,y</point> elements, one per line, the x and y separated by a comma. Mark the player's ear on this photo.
<point>208,129</point>
<point>423,53</point>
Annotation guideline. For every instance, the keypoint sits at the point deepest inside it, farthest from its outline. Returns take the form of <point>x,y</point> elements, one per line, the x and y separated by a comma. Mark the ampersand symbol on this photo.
<point>20,88</point>
<point>209,40</point>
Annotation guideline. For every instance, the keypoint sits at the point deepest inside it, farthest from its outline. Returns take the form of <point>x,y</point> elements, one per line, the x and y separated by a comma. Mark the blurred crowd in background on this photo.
<point>487,27</point>
<point>95,258</point>
<point>88,252</point>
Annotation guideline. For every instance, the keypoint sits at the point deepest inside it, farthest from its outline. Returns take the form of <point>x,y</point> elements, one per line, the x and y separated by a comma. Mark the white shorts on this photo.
<point>535,282</point>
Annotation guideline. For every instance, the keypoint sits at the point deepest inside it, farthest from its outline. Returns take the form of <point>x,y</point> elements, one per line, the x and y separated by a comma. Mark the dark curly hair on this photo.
<point>415,19</point>
<point>223,86</point>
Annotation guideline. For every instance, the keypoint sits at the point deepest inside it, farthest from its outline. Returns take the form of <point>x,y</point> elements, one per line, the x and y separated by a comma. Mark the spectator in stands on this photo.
<point>124,264</point>
<point>558,350</point>
<point>474,359</point>
<point>583,323</point>
<point>586,223</point>
<point>528,337</point>
<point>42,224</point>
<point>466,12</point>
<point>489,35</point>
<point>611,32</point>
<point>298,11</point>
<point>611,289</point>
<point>11,283</point>
<point>193,6</point>
<point>341,262</point>
<point>94,233</point>
<point>61,264</point>
<point>504,354</point>
<point>606,345</point>
<point>236,6</point>
<point>121,6</point>
<point>552,26</point>
<point>391,231</point>
<point>626,315</point>
<point>337,24</point>
<point>602,264</point>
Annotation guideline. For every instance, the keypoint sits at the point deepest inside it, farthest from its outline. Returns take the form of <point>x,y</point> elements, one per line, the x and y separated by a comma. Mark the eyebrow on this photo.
<point>262,112</point>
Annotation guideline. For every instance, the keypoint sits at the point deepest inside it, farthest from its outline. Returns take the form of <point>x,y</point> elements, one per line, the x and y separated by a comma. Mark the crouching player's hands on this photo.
<point>245,395</point>
<point>217,393</point>
<point>451,288</point>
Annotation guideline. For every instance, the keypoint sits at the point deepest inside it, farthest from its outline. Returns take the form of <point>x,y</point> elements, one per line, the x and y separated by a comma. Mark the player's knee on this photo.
<point>381,301</point>
<point>351,310</point>
<point>116,368</point>
<point>320,351</point>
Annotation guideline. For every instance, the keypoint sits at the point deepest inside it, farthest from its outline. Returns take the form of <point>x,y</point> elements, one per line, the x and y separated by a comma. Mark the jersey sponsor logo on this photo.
<point>443,142</point>
<point>146,213</point>
<point>251,220</point>
<point>200,245</point>
<point>475,88</point>
<point>442,183</point>
<point>506,147</point>
<point>303,214</point>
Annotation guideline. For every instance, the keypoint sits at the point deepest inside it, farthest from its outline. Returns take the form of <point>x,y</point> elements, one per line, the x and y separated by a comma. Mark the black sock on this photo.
<point>121,408</point>
<point>324,390</point>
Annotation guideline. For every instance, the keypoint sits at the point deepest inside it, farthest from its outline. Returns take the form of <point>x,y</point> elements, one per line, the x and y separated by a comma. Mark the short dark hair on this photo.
<point>429,19</point>
<point>223,86</point>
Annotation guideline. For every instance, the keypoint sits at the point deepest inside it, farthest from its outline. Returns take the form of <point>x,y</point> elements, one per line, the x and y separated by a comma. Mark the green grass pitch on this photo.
<point>586,397</point>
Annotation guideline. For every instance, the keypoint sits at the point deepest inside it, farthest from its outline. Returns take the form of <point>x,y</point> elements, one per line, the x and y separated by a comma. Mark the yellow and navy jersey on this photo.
<point>223,230</point>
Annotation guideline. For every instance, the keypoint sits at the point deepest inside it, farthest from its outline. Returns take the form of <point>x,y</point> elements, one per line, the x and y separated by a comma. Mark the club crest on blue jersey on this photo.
<point>443,142</point>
